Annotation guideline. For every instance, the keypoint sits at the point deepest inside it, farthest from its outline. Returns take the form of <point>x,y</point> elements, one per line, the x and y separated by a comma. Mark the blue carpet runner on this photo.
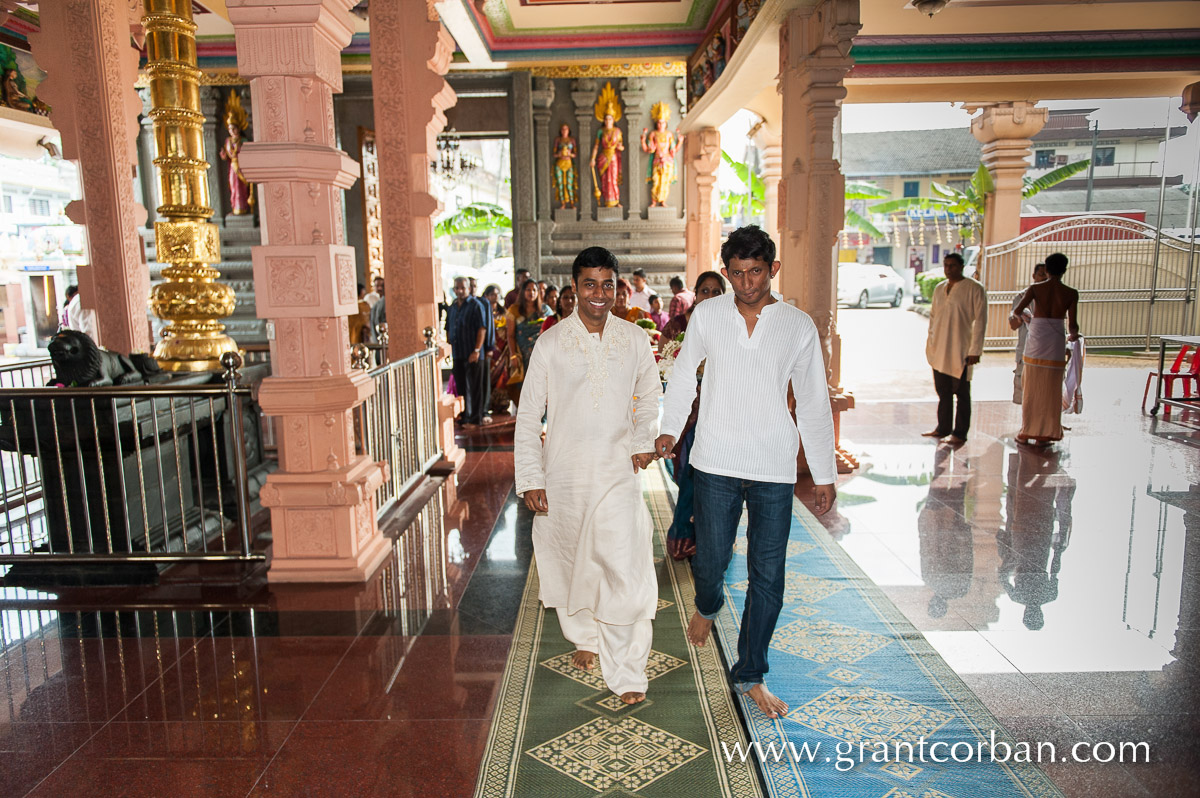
<point>854,671</point>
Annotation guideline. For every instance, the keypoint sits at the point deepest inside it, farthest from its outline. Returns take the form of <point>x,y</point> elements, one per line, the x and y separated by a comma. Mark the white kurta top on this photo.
<point>957,321</point>
<point>600,397</point>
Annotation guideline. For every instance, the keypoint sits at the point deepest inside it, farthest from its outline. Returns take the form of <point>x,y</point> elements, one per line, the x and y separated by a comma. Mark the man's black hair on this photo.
<point>639,273</point>
<point>676,282</point>
<point>748,243</point>
<point>954,255</point>
<point>595,258</point>
<point>72,290</point>
<point>1056,264</point>
<point>522,271</point>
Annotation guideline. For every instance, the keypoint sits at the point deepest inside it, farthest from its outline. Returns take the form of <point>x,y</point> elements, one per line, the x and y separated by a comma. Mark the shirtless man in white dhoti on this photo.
<point>594,378</point>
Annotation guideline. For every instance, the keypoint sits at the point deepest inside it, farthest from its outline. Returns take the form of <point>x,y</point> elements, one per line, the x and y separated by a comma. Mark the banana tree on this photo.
<point>751,203</point>
<point>478,217</point>
<point>968,204</point>
<point>862,190</point>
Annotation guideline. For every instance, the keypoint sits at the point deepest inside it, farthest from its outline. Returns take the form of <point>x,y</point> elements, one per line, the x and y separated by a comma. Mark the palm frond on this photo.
<point>864,190</point>
<point>910,203</point>
<point>856,221</point>
<point>1054,177</point>
<point>477,217</point>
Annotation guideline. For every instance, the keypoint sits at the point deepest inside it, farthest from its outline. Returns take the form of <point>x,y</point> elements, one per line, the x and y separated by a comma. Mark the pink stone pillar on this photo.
<point>410,53</point>
<point>91,65</point>
<point>322,498</point>
<point>702,157</point>
<point>814,56</point>
<point>1006,131</point>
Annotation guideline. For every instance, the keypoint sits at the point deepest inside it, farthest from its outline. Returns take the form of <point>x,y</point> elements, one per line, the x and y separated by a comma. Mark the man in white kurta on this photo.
<point>957,321</point>
<point>595,379</point>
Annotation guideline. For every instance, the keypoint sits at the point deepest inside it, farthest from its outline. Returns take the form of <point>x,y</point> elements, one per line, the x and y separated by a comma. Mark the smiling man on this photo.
<point>753,345</point>
<point>594,378</point>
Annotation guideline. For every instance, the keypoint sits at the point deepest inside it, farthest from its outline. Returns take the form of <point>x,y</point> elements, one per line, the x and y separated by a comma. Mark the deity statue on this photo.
<point>241,195</point>
<point>606,152</point>
<point>13,97</point>
<point>664,144</point>
<point>565,182</point>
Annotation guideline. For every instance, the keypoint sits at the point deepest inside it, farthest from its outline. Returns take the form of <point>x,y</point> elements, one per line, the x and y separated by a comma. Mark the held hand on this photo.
<point>641,461</point>
<point>1014,323</point>
<point>663,446</point>
<point>536,500</point>
<point>972,360</point>
<point>1073,336</point>
<point>824,496</point>
<point>474,358</point>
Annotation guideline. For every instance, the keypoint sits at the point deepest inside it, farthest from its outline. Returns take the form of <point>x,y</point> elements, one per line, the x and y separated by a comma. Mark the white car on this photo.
<point>860,284</point>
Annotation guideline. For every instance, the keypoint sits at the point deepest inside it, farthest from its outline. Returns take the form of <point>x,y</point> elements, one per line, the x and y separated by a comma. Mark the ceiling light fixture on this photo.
<point>930,7</point>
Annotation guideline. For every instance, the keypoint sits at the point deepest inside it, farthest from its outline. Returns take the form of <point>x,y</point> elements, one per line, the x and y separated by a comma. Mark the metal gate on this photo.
<point>1126,294</point>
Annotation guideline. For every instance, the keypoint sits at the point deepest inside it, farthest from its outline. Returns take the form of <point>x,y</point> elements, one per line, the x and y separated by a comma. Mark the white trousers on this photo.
<point>623,650</point>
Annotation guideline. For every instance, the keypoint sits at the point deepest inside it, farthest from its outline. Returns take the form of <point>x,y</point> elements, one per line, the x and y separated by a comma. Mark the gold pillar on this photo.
<point>190,301</point>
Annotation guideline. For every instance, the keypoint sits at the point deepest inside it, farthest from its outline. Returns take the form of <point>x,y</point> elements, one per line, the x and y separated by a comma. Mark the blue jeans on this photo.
<point>718,508</point>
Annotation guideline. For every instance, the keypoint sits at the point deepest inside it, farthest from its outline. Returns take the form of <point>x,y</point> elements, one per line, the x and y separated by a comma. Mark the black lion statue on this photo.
<point>79,363</point>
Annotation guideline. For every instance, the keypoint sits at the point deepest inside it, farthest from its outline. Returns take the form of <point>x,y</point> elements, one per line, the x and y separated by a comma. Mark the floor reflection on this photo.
<point>1037,529</point>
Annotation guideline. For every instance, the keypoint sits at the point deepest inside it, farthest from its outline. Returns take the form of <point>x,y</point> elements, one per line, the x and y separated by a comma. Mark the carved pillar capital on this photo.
<point>1006,131</point>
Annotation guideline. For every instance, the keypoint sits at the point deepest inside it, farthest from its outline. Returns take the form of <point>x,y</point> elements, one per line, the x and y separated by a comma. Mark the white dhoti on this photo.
<point>623,649</point>
<point>593,547</point>
<point>1045,361</point>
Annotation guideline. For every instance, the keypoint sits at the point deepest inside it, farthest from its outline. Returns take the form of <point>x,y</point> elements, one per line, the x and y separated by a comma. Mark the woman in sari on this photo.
<point>524,325</point>
<point>499,399</point>
<point>1045,360</point>
<point>621,307</point>
<point>565,307</point>
<point>681,537</point>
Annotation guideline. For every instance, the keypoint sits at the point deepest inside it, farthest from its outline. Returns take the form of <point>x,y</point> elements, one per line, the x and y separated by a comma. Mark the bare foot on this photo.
<point>698,629</point>
<point>771,704</point>
<point>954,440</point>
<point>633,698</point>
<point>933,434</point>
<point>584,660</point>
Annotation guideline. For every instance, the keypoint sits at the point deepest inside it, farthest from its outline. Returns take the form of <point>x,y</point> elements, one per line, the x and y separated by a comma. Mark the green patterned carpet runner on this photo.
<point>557,731</point>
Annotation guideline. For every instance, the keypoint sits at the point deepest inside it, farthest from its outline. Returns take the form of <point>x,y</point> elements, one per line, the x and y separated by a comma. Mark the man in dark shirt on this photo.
<point>466,330</point>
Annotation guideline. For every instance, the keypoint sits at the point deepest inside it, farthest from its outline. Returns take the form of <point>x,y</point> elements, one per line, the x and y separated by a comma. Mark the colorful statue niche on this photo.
<point>566,184</point>
<point>664,144</point>
<point>241,195</point>
<point>13,96</point>
<point>606,152</point>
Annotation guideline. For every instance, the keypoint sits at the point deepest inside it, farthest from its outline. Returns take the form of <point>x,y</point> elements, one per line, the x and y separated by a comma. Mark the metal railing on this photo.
<point>397,424</point>
<point>29,373</point>
<point>153,473</point>
<point>1134,282</point>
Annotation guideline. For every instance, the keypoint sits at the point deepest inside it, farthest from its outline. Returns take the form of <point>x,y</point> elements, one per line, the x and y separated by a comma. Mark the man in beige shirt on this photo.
<point>957,320</point>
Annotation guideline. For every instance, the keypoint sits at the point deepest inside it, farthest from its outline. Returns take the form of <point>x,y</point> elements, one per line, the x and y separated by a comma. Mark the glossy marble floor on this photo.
<point>1062,586</point>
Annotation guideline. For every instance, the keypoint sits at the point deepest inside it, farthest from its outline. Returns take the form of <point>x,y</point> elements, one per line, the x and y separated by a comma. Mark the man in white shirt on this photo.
<point>957,321</point>
<point>376,295</point>
<point>594,378</point>
<point>640,298</point>
<point>753,344</point>
<point>81,318</point>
